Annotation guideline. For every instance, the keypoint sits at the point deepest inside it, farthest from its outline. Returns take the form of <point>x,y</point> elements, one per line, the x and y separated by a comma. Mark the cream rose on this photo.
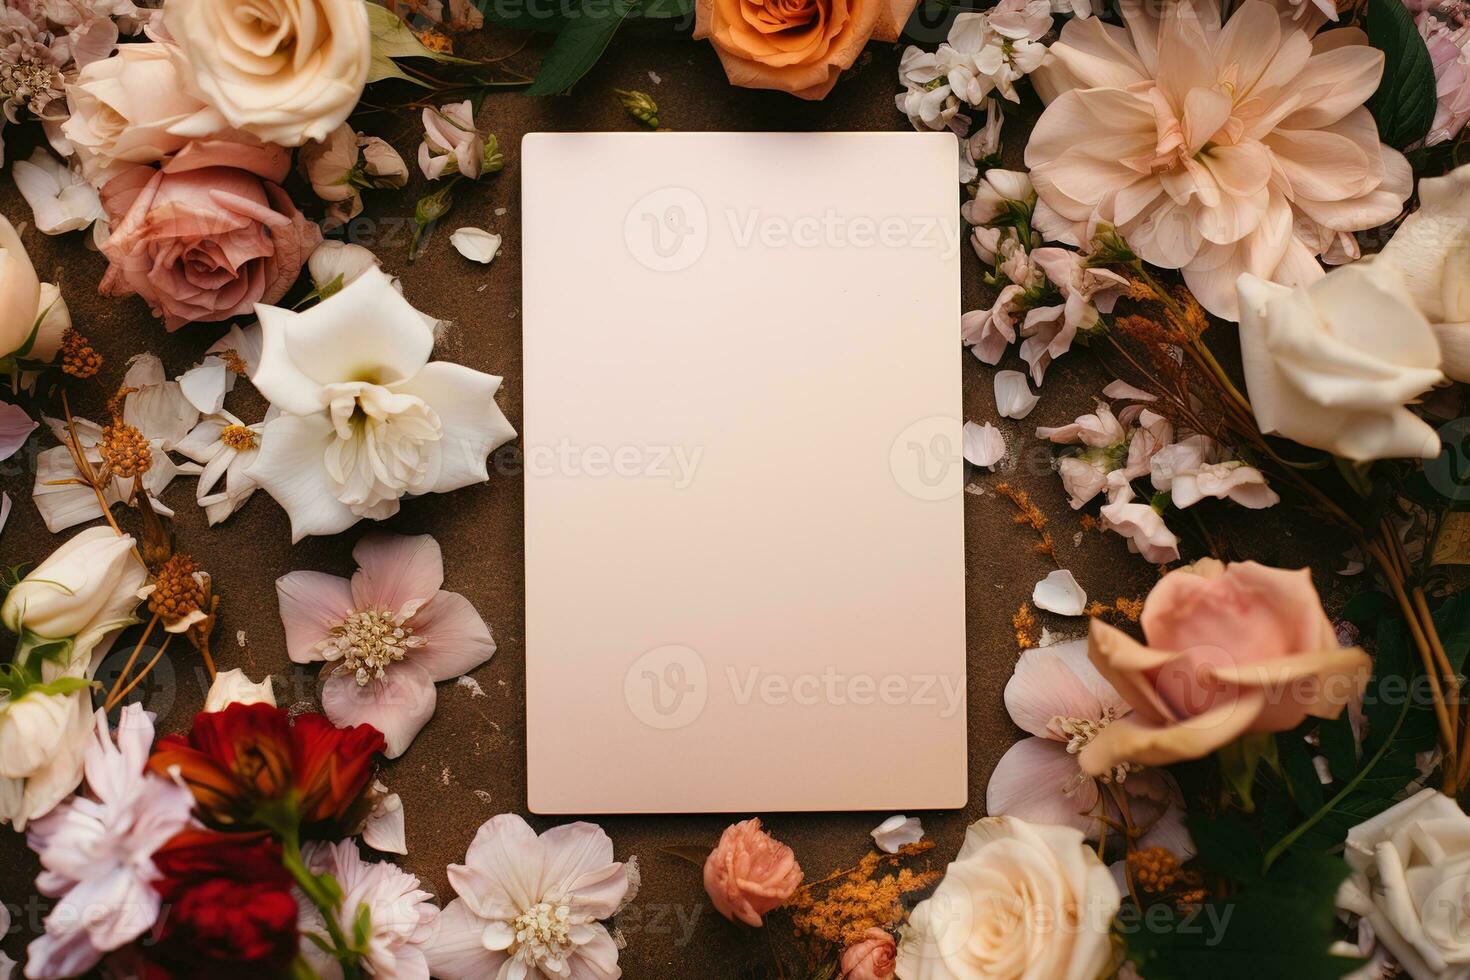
<point>86,588</point>
<point>286,71</point>
<point>1411,882</point>
<point>1430,252</point>
<point>1332,365</point>
<point>800,46</point>
<point>20,292</point>
<point>1020,900</point>
<point>124,109</point>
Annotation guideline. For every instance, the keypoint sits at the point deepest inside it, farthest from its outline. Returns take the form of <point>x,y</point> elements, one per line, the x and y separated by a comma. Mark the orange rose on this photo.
<point>797,46</point>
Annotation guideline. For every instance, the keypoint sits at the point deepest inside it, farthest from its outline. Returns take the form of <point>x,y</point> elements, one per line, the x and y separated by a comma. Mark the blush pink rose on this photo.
<point>208,234</point>
<point>750,873</point>
<point>870,958</point>
<point>1229,650</point>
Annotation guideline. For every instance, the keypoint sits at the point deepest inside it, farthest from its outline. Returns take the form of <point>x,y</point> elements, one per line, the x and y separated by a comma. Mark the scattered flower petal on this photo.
<point>983,444</point>
<point>476,244</point>
<point>1059,593</point>
<point>1013,396</point>
<point>897,831</point>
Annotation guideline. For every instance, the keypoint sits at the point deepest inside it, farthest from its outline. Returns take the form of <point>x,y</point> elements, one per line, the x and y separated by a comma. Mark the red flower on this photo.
<point>250,766</point>
<point>228,909</point>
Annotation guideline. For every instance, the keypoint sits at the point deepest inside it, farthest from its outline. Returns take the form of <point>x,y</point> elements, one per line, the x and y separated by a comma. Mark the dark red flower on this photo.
<point>250,766</point>
<point>228,910</point>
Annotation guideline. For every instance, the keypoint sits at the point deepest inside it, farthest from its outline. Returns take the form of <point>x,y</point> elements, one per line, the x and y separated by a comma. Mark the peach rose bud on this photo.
<point>750,873</point>
<point>870,958</point>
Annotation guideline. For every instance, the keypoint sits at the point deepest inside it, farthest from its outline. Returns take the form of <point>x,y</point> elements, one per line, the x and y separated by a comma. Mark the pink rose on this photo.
<point>750,873</point>
<point>870,958</point>
<point>1230,650</point>
<point>206,236</point>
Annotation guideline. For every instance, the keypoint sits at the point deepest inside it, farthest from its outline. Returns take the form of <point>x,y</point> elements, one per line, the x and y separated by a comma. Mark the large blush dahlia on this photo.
<point>1214,149</point>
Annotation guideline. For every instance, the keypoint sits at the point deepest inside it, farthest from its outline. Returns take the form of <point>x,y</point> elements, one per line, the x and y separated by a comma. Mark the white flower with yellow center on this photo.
<point>366,417</point>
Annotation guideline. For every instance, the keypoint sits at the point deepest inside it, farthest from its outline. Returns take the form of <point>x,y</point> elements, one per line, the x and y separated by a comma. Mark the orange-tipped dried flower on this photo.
<point>124,450</point>
<point>181,594</point>
<point>238,438</point>
<point>1154,869</point>
<point>78,359</point>
<point>118,402</point>
<point>234,361</point>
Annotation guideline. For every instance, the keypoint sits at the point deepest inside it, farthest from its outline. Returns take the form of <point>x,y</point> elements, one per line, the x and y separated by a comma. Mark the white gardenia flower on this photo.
<point>1321,370</point>
<point>226,448</point>
<point>233,687</point>
<point>1020,900</point>
<point>61,200</point>
<point>366,417</point>
<point>96,851</point>
<point>401,914</point>
<point>85,589</point>
<point>1430,251</point>
<point>1411,873</point>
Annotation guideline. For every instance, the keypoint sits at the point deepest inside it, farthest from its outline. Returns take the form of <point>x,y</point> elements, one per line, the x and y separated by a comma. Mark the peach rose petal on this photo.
<point>1124,662</point>
<point>1130,740</point>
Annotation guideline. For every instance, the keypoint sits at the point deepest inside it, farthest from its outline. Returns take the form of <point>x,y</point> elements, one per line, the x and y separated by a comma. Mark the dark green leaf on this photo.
<point>1281,926</point>
<point>1405,102</point>
<point>1452,622</point>
<point>1227,846</point>
<point>1302,780</point>
<point>1339,746</point>
<point>542,16</point>
<point>579,44</point>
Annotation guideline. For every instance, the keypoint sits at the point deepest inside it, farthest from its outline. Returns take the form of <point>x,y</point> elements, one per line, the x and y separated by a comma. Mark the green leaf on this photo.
<point>1239,761</point>
<point>541,16</point>
<point>1302,780</point>
<point>392,38</point>
<point>1282,924</point>
<point>1339,746</point>
<point>1405,102</point>
<point>579,44</point>
<point>1452,622</point>
<point>1228,846</point>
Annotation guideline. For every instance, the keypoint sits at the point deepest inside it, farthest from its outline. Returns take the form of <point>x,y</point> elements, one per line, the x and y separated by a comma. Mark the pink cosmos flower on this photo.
<point>386,636</point>
<point>1058,696</point>
<point>530,907</point>
<point>1212,146</point>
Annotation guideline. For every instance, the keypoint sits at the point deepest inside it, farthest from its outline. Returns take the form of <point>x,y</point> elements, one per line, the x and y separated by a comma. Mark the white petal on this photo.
<point>59,198</point>
<point>474,425</point>
<point>331,260</point>
<point>897,831</point>
<point>1013,396</point>
<point>1060,593</point>
<point>206,384</point>
<point>384,830</point>
<point>290,469</point>
<point>983,444</point>
<point>245,341</point>
<point>476,244</point>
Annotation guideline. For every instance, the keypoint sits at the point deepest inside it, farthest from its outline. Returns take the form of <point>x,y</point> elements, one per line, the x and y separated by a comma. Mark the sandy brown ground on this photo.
<point>468,764</point>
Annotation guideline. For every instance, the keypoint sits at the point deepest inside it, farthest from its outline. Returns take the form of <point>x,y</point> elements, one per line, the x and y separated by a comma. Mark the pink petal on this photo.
<point>15,427</point>
<point>396,572</point>
<point>399,705</point>
<point>458,639</point>
<point>578,862</point>
<point>1031,780</point>
<point>311,604</point>
<point>502,867</point>
<point>1058,682</point>
<point>455,951</point>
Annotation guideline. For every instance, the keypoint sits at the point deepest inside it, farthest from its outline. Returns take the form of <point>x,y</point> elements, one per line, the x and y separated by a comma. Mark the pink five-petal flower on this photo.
<point>388,635</point>
<point>1058,696</point>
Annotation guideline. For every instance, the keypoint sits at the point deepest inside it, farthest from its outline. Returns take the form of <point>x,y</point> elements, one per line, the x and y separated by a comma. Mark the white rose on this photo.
<point>87,588</point>
<point>1431,252</point>
<point>233,687</point>
<point>124,109</point>
<point>58,769</point>
<point>1020,900</point>
<point>55,320</point>
<point>1411,881</point>
<point>286,71</point>
<point>1332,365</point>
<point>31,729</point>
<point>20,292</point>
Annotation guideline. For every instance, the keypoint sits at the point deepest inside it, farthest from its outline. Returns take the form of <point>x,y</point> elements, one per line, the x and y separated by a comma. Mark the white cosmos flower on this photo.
<point>366,416</point>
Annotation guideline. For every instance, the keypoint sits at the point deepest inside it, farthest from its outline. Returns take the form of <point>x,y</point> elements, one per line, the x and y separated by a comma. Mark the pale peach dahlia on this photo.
<point>1214,149</point>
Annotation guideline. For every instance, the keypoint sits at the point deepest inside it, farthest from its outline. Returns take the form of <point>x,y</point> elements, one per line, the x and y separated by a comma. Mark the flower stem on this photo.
<point>326,901</point>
